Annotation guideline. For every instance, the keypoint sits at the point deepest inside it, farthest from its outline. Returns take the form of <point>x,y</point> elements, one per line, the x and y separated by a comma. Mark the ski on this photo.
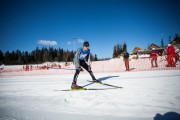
<point>105,84</point>
<point>86,89</point>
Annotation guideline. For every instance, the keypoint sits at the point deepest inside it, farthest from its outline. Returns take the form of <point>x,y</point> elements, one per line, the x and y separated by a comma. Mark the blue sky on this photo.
<point>27,24</point>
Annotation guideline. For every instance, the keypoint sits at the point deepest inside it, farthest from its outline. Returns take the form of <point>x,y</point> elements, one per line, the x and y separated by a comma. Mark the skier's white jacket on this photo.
<point>81,55</point>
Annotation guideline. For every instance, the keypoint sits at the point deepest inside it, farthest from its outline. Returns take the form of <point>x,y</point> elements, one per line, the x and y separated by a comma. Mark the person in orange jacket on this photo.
<point>170,55</point>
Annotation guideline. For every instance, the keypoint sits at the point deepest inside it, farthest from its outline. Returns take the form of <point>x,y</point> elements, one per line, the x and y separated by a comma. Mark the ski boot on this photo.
<point>76,87</point>
<point>97,81</point>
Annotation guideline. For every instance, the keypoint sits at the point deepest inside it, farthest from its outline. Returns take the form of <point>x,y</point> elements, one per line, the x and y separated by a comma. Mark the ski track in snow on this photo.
<point>144,94</point>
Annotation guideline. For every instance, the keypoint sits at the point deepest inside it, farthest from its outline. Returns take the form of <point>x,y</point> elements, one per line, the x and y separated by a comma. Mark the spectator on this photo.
<point>153,56</point>
<point>170,56</point>
<point>126,60</point>
<point>177,54</point>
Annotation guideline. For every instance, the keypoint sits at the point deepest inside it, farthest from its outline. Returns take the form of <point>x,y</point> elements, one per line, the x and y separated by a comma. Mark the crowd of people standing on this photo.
<point>171,56</point>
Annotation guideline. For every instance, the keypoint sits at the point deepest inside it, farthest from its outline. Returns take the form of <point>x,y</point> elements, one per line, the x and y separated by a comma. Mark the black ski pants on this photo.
<point>85,66</point>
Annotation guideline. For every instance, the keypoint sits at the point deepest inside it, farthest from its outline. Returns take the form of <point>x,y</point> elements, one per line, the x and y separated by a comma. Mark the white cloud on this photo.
<point>80,41</point>
<point>47,42</point>
<point>69,42</point>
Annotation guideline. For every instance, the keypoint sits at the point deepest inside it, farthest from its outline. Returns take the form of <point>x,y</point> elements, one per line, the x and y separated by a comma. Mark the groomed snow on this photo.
<point>35,95</point>
<point>30,96</point>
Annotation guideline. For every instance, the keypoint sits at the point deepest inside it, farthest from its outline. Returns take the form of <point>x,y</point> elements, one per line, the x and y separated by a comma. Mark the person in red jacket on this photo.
<point>170,55</point>
<point>153,56</point>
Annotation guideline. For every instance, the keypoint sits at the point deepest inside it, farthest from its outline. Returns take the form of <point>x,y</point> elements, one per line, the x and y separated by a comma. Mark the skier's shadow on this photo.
<point>168,116</point>
<point>101,79</point>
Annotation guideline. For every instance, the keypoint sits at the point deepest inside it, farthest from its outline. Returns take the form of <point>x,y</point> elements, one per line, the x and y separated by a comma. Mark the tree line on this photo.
<point>119,49</point>
<point>38,56</point>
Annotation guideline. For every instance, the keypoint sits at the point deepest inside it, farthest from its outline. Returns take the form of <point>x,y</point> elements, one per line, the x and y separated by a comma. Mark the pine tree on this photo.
<point>26,57</point>
<point>12,58</point>
<point>66,56</point>
<point>50,54</point>
<point>18,57</point>
<point>1,57</point>
<point>162,43</point>
<point>7,58</point>
<point>176,36</point>
<point>124,47</point>
<point>72,56</point>
<point>33,60</point>
<point>95,58</point>
<point>114,52</point>
<point>61,55</point>
<point>117,50</point>
<point>169,39</point>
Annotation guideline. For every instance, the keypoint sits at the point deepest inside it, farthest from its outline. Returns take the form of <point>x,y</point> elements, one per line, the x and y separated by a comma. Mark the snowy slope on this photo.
<point>36,97</point>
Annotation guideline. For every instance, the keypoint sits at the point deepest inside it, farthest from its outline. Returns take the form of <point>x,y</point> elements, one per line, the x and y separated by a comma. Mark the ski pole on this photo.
<point>64,68</point>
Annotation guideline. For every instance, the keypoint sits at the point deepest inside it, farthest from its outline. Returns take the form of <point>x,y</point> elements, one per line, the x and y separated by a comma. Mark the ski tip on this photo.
<point>72,89</point>
<point>79,89</point>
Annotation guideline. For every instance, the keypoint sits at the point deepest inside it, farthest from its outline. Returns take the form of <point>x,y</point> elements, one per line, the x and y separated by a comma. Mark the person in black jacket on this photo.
<point>126,60</point>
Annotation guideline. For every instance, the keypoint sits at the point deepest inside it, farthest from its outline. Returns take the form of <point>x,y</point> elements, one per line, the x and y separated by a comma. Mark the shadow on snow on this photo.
<point>101,79</point>
<point>167,116</point>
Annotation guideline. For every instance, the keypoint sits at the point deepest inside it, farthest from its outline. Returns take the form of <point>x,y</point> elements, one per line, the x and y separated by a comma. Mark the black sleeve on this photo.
<point>87,57</point>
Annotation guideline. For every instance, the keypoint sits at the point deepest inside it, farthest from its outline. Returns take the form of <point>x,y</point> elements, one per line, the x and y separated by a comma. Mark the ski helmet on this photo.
<point>86,43</point>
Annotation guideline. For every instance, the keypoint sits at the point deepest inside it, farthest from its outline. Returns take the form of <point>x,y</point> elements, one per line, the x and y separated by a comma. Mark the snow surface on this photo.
<point>35,95</point>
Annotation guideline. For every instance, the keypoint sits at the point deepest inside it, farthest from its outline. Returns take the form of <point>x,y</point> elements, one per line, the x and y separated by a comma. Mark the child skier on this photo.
<point>79,62</point>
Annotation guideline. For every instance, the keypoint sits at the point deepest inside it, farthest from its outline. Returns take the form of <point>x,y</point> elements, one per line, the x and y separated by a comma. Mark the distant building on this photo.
<point>136,49</point>
<point>153,46</point>
<point>176,42</point>
<point>161,50</point>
